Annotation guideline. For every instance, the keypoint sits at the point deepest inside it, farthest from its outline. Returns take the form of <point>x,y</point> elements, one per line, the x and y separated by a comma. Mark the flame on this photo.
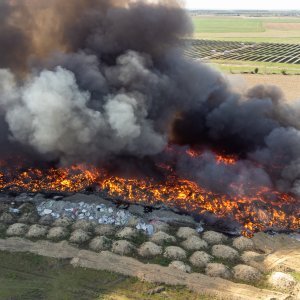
<point>265,208</point>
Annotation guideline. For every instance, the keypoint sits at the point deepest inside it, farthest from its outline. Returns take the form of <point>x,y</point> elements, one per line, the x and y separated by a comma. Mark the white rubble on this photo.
<point>100,213</point>
<point>282,281</point>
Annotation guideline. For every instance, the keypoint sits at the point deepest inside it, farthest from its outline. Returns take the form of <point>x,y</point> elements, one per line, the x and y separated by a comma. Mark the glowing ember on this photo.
<point>264,209</point>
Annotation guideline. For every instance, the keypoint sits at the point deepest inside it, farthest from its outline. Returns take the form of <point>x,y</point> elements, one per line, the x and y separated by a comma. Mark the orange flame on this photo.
<point>255,212</point>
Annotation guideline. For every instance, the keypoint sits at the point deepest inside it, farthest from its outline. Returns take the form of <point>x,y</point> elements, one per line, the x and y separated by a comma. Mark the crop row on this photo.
<point>262,52</point>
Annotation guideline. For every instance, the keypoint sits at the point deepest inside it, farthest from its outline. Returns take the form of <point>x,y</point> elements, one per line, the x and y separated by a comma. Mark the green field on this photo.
<point>30,277</point>
<point>247,29</point>
<point>221,25</point>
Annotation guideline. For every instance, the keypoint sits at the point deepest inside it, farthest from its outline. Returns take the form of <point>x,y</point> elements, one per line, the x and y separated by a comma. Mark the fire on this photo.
<point>255,213</point>
<point>227,160</point>
<point>220,159</point>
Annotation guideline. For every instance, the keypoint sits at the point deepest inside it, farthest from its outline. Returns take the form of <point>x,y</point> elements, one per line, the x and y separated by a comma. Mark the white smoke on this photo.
<point>51,114</point>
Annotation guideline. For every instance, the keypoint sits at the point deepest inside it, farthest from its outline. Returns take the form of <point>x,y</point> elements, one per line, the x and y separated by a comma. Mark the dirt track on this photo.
<point>290,84</point>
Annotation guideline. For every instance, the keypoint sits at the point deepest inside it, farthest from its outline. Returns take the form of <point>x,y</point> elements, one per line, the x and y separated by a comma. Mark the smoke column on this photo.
<point>98,80</point>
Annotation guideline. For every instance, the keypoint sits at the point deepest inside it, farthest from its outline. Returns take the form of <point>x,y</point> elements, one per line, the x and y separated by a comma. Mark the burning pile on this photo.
<point>262,209</point>
<point>99,93</point>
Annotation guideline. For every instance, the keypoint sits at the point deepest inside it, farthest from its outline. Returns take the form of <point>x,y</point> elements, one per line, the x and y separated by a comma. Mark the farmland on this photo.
<point>248,29</point>
<point>253,52</point>
<point>247,43</point>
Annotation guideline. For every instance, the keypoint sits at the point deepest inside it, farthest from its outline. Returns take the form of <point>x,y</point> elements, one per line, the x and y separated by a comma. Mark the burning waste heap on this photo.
<point>97,93</point>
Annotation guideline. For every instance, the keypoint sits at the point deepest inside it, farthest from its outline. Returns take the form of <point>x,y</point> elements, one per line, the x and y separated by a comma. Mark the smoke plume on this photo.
<point>99,80</point>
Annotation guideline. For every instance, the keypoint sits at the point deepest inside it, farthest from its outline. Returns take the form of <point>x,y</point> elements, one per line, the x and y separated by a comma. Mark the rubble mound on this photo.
<point>194,243</point>
<point>31,217</point>
<point>123,247</point>
<point>63,222</point>
<point>79,236</point>
<point>17,229</point>
<point>200,259</point>
<point>161,226</point>
<point>57,233</point>
<point>225,252</point>
<point>27,207</point>
<point>127,233</point>
<point>246,273</point>
<point>7,218</point>
<point>242,243</point>
<point>180,265</point>
<point>214,238</point>
<point>100,243</point>
<point>46,220</point>
<point>186,232</point>
<point>174,252</point>
<point>105,229</point>
<point>162,238</point>
<point>133,221</point>
<point>84,225</point>
<point>149,249</point>
<point>282,281</point>
<point>249,256</point>
<point>218,270</point>
<point>37,231</point>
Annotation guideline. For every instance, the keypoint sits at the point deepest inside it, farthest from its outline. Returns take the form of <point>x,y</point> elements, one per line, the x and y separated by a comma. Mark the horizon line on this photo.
<point>244,9</point>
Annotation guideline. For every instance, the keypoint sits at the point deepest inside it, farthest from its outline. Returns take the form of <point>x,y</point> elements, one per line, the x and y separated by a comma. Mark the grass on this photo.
<point>243,29</point>
<point>212,25</point>
<point>296,275</point>
<point>28,276</point>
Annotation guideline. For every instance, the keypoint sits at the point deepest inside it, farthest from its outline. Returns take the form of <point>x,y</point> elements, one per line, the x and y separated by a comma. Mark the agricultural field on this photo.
<point>248,29</point>
<point>245,57</point>
<point>261,52</point>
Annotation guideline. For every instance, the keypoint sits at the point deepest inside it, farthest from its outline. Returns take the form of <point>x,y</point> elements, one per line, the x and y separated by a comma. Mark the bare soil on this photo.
<point>289,84</point>
<point>282,26</point>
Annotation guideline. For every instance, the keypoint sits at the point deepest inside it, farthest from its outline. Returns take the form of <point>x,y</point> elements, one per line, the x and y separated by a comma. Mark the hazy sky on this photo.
<point>243,4</point>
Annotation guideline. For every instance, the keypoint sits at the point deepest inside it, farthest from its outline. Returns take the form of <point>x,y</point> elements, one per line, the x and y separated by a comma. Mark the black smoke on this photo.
<point>100,81</point>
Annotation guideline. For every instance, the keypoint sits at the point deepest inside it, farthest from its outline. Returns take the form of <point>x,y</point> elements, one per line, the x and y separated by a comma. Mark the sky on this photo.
<point>244,4</point>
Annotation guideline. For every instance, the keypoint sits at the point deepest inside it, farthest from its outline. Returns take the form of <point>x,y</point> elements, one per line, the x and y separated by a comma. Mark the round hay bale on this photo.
<point>246,273</point>
<point>174,252</point>
<point>149,249</point>
<point>214,238</point>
